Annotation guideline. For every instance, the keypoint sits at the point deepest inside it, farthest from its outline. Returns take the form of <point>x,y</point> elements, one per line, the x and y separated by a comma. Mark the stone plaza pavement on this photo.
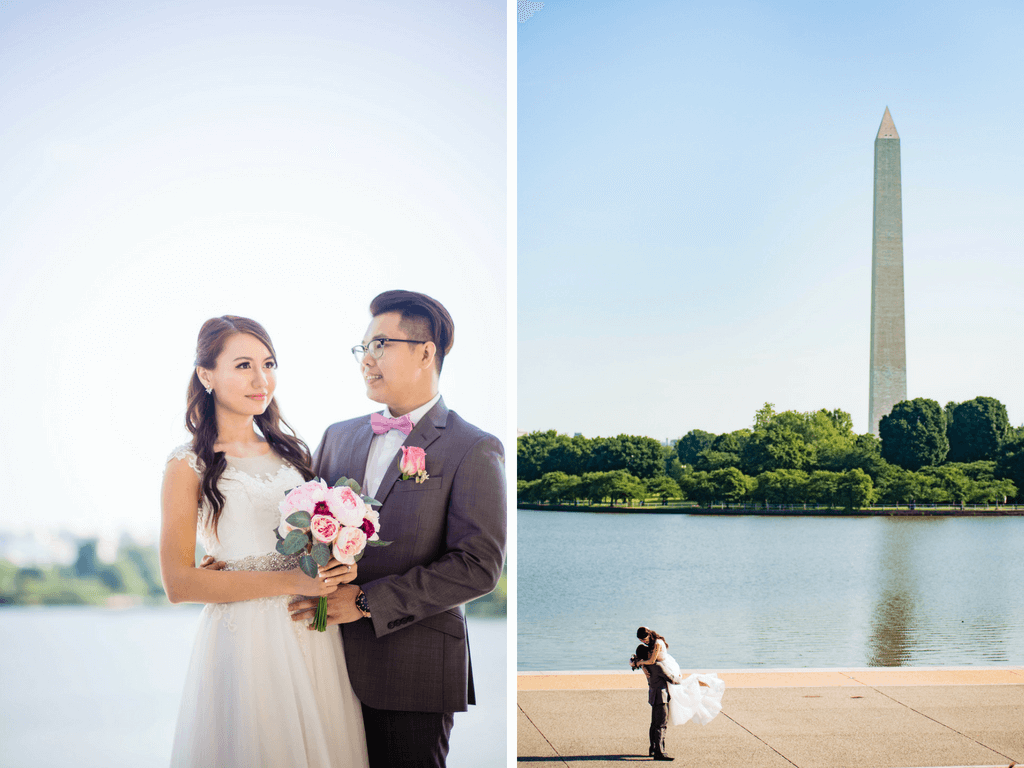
<point>831,718</point>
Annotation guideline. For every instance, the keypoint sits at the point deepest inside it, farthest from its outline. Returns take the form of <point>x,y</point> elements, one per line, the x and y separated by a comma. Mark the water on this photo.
<point>769,592</point>
<point>89,687</point>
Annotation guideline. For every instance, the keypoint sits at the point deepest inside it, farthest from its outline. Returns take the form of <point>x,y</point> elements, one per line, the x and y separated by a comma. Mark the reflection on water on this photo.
<point>747,592</point>
<point>890,643</point>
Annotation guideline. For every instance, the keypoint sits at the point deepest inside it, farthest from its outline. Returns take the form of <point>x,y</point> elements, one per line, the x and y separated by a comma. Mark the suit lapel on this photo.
<point>358,453</point>
<point>423,434</point>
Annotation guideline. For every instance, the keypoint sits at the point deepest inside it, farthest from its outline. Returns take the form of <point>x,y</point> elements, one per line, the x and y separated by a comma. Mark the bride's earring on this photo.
<point>209,390</point>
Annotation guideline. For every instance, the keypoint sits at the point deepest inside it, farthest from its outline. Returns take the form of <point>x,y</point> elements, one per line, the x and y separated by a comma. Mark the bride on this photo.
<point>261,690</point>
<point>687,702</point>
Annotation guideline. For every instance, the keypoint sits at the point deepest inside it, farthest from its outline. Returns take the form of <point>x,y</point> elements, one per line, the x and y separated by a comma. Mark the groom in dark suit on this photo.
<point>406,645</point>
<point>658,697</point>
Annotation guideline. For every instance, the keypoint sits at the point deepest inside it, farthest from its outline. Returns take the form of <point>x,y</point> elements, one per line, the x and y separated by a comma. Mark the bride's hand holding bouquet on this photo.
<point>328,528</point>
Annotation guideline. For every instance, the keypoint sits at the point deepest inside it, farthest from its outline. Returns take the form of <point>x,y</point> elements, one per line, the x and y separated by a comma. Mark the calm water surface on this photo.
<point>87,687</point>
<point>770,592</point>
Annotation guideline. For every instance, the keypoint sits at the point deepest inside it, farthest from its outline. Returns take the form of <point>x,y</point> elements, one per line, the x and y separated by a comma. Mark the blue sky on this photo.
<point>163,163</point>
<point>694,208</point>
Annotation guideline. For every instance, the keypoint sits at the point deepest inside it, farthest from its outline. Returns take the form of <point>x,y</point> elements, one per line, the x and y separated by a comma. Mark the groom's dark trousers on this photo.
<point>409,663</point>
<point>658,698</point>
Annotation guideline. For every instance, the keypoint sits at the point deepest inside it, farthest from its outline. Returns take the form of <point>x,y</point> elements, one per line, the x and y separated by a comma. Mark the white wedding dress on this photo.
<point>689,701</point>
<point>262,690</point>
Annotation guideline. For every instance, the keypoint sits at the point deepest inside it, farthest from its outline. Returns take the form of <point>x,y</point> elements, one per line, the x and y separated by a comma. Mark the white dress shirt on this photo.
<point>384,448</point>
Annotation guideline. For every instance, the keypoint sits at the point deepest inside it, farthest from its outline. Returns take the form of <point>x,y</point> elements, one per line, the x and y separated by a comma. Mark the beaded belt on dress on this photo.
<point>271,561</point>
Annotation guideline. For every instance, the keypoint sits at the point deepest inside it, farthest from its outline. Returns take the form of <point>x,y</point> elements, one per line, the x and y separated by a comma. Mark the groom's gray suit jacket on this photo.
<point>657,685</point>
<point>448,548</point>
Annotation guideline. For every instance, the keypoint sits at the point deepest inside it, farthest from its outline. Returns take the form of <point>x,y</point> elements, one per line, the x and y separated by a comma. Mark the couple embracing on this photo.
<point>263,689</point>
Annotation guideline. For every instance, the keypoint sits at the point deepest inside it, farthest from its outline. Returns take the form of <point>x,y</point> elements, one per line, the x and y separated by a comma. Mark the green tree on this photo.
<point>709,460</point>
<point>673,467</point>
<point>951,481</point>
<point>782,486</point>
<point>830,434</point>
<point>775,446</point>
<point>664,487</point>
<point>864,453</point>
<point>555,487</point>
<point>914,434</point>
<point>640,456</point>
<point>730,484</point>
<point>1010,465</point>
<point>855,489</point>
<point>568,454</point>
<point>692,443</point>
<point>764,416</point>
<point>86,564</point>
<point>731,442</point>
<point>531,451</point>
<point>605,454</point>
<point>617,484</point>
<point>823,487</point>
<point>977,430</point>
<point>526,491</point>
<point>902,486</point>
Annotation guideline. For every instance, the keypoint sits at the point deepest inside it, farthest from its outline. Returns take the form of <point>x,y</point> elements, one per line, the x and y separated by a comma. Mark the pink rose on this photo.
<point>303,498</point>
<point>371,524</point>
<point>350,542</point>
<point>413,461</point>
<point>346,505</point>
<point>325,528</point>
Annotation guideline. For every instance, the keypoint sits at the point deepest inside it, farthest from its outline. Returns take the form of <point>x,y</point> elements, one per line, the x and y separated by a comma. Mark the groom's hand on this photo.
<point>211,564</point>
<point>341,606</point>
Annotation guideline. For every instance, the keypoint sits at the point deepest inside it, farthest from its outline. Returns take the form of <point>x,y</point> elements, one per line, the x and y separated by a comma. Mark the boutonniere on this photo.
<point>413,464</point>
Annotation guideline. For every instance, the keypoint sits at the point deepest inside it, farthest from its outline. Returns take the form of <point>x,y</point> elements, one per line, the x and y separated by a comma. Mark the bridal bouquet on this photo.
<point>318,522</point>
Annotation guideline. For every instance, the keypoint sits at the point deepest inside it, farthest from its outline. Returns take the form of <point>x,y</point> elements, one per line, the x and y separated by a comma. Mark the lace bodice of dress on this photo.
<point>252,488</point>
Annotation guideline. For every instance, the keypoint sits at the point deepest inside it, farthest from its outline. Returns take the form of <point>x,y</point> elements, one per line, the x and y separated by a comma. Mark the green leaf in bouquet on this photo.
<point>341,481</point>
<point>293,543</point>
<point>354,485</point>
<point>378,543</point>
<point>370,500</point>
<point>321,553</point>
<point>308,566</point>
<point>357,558</point>
<point>299,519</point>
<point>277,533</point>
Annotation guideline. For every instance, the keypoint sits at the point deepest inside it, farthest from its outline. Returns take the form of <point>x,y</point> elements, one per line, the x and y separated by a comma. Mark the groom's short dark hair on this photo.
<point>422,315</point>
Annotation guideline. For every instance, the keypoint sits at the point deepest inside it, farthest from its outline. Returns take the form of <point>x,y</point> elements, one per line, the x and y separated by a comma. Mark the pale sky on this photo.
<point>161,164</point>
<point>695,208</point>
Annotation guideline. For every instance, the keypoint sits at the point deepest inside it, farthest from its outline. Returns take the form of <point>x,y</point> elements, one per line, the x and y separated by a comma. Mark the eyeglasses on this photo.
<point>375,348</point>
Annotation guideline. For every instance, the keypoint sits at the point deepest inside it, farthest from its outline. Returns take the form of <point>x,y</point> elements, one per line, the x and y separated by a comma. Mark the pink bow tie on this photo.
<point>382,425</point>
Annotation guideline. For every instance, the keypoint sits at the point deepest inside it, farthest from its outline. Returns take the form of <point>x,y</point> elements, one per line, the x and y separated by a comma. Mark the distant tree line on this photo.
<point>963,453</point>
<point>134,573</point>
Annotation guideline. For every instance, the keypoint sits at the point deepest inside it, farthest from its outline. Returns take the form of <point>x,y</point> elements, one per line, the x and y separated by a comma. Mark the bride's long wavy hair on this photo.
<point>201,416</point>
<point>642,632</point>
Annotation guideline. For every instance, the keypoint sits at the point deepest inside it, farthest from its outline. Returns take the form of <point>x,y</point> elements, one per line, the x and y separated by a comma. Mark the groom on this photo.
<point>658,697</point>
<point>406,645</point>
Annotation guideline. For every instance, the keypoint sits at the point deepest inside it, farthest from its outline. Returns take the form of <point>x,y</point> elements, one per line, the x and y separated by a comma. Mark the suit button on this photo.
<point>391,625</point>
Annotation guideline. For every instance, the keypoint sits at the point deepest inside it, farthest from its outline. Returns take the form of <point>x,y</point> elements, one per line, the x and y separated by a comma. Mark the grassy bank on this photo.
<point>692,508</point>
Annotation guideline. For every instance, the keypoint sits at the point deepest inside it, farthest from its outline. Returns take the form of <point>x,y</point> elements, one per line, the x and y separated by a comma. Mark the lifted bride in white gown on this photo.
<point>261,690</point>
<point>694,699</point>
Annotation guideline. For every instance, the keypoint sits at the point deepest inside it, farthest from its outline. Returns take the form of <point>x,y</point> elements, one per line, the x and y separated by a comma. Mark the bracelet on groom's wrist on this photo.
<point>362,605</point>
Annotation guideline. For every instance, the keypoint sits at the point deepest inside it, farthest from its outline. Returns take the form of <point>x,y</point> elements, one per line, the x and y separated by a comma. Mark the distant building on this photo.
<point>888,371</point>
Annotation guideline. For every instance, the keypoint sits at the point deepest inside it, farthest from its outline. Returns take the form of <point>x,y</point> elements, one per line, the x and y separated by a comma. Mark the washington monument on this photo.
<point>888,335</point>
